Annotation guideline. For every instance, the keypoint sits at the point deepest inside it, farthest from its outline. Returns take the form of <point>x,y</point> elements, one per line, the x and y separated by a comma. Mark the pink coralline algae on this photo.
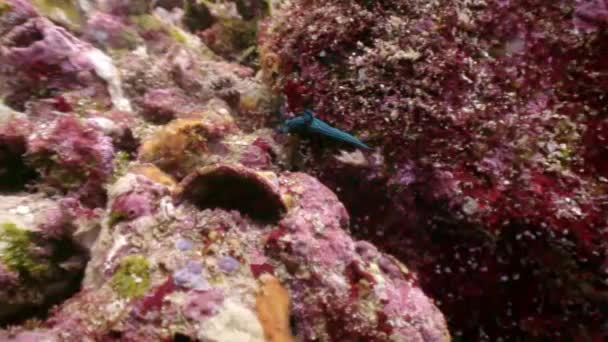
<point>164,105</point>
<point>73,157</point>
<point>37,268</point>
<point>63,220</point>
<point>131,206</point>
<point>358,288</point>
<point>40,42</point>
<point>47,59</point>
<point>490,174</point>
<point>591,15</point>
<point>204,304</point>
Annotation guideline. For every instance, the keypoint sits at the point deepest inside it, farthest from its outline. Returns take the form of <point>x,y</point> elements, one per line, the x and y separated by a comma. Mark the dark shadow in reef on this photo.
<point>64,251</point>
<point>15,174</point>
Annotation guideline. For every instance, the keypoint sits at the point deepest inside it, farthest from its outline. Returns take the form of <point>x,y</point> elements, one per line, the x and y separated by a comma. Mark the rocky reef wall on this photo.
<point>145,196</point>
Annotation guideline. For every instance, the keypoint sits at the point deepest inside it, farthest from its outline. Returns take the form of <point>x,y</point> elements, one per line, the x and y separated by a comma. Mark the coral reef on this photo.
<point>144,197</point>
<point>144,194</point>
<point>489,176</point>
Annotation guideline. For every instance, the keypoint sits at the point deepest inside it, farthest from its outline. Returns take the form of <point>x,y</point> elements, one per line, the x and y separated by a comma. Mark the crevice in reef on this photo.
<point>25,36</point>
<point>68,257</point>
<point>15,174</point>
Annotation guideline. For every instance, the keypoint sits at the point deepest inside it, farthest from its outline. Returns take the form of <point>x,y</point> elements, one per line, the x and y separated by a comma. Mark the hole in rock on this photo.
<point>170,4</point>
<point>26,36</point>
<point>181,338</point>
<point>197,16</point>
<point>234,189</point>
<point>15,174</point>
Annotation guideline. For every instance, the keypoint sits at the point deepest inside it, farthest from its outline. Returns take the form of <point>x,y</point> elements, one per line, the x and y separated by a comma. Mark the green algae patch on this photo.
<point>132,280</point>
<point>115,218</point>
<point>65,11</point>
<point>178,35</point>
<point>5,8</point>
<point>148,23</point>
<point>121,165</point>
<point>16,251</point>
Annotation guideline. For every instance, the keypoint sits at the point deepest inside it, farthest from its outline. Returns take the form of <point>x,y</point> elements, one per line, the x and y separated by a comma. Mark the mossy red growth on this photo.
<point>73,157</point>
<point>61,104</point>
<point>258,269</point>
<point>490,121</point>
<point>596,147</point>
<point>154,300</point>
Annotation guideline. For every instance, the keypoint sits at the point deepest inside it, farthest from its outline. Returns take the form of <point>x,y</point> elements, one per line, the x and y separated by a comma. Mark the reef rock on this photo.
<point>237,254</point>
<point>144,196</point>
<point>489,173</point>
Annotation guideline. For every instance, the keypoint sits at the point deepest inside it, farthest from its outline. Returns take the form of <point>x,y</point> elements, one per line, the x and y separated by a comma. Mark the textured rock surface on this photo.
<point>489,121</point>
<point>42,252</point>
<point>132,144</point>
<point>197,269</point>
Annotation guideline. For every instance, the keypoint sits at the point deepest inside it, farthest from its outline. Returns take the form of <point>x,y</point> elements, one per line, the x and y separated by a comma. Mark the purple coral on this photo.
<point>228,264</point>
<point>192,276</point>
<point>183,245</point>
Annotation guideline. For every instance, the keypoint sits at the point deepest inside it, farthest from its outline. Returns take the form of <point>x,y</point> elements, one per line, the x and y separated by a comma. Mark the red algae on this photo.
<point>490,122</point>
<point>73,157</point>
<point>258,269</point>
<point>154,300</point>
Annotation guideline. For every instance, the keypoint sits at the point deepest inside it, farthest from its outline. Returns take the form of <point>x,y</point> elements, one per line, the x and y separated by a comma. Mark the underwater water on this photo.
<point>303,170</point>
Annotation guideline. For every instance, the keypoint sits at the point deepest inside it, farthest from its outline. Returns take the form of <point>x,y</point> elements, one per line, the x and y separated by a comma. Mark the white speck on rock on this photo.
<point>106,125</point>
<point>22,210</point>
<point>355,158</point>
<point>104,68</point>
<point>167,207</point>
<point>118,244</point>
<point>470,207</point>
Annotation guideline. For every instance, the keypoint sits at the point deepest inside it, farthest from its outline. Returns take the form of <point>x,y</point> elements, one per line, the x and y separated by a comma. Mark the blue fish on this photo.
<point>308,123</point>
